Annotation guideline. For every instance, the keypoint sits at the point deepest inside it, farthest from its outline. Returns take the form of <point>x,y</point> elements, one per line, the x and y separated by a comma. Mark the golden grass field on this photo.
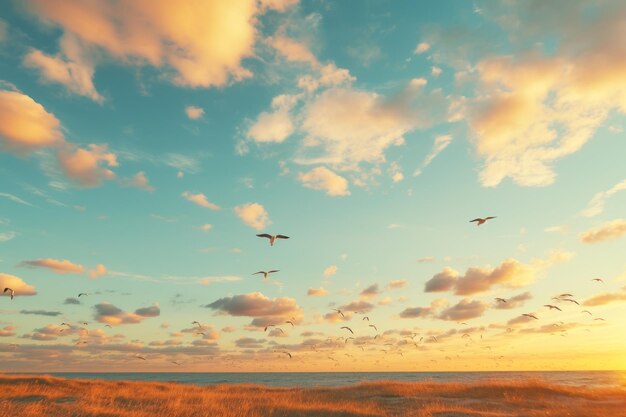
<point>43,396</point>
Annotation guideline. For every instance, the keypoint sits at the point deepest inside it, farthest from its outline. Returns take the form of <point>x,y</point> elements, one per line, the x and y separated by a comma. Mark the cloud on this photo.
<point>317,292</point>
<point>514,302</point>
<point>441,143</point>
<point>6,236</point>
<point>370,292</point>
<point>464,310</point>
<point>201,200</point>
<point>422,47</point>
<point>330,271</point>
<point>426,259</point>
<point>183,41</point>
<point>15,199</point>
<point>263,309</point>
<point>397,283</point>
<point>7,331</point>
<point>98,271</point>
<point>322,178</point>
<point>219,278</point>
<point>605,298</point>
<point>206,227</point>
<point>360,306</point>
<point>443,281</point>
<point>596,205</point>
<point>274,126</point>
<point>85,166</point>
<point>140,180</point>
<point>194,113</point>
<point>71,300</point>
<point>510,273</point>
<point>607,231</point>
<point>416,312</point>
<point>59,266</point>
<point>41,313</point>
<point>25,125</point>
<point>249,343</point>
<point>291,49</point>
<point>76,75</point>
<point>108,313</point>
<point>254,215</point>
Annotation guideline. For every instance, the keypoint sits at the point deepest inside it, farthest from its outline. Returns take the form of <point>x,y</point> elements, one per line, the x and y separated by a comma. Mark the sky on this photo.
<point>144,144</point>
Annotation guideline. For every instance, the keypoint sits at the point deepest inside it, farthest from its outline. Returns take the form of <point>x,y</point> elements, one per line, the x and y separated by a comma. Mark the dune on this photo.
<point>35,396</point>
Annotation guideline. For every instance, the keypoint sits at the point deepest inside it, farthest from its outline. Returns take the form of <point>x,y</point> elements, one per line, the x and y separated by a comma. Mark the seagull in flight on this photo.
<point>366,318</point>
<point>268,326</point>
<point>196,322</point>
<point>339,312</point>
<point>347,328</point>
<point>588,312</point>
<point>176,363</point>
<point>273,238</point>
<point>287,353</point>
<point>138,356</point>
<point>551,307</point>
<point>10,291</point>
<point>598,280</point>
<point>290,322</point>
<point>266,273</point>
<point>500,300</point>
<point>371,325</point>
<point>530,315</point>
<point>565,295</point>
<point>480,221</point>
<point>82,293</point>
<point>571,301</point>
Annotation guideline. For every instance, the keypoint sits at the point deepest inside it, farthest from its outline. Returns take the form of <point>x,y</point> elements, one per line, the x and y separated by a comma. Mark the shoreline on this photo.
<point>30,396</point>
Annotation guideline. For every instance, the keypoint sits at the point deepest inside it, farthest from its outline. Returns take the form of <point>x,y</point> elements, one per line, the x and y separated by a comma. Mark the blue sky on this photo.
<point>142,148</point>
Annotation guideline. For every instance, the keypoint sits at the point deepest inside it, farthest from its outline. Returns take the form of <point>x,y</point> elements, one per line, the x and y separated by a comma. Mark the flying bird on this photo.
<point>347,328</point>
<point>598,280</point>
<point>600,318</point>
<point>588,312</point>
<point>266,273</point>
<point>82,293</point>
<point>10,291</point>
<point>339,312</point>
<point>371,325</point>
<point>571,301</point>
<point>435,339</point>
<point>287,353</point>
<point>138,356</point>
<point>366,318</point>
<point>565,295</point>
<point>176,363</point>
<point>480,221</point>
<point>551,307</point>
<point>268,326</point>
<point>273,238</point>
<point>530,315</point>
<point>196,322</point>
<point>500,300</point>
<point>290,322</point>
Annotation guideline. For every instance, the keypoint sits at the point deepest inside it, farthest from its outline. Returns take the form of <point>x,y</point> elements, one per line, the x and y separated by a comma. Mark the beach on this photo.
<point>34,396</point>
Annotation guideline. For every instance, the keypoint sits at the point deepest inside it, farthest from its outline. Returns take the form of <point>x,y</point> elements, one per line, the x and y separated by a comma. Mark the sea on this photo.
<point>591,379</point>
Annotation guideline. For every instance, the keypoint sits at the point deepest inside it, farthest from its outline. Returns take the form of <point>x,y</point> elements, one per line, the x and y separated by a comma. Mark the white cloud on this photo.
<point>201,200</point>
<point>194,112</point>
<point>254,215</point>
<point>322,178</point>
<point>422,47</point>
<point>330,271</point>
<point>441,143</point>
<point>596,205</point>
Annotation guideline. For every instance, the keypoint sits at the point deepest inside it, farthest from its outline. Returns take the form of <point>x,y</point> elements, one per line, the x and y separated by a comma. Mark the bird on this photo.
<point>347,328</point>
<point>65,324</point>
<point>598,280</point>
<point>588,312</point>
<point>466,335</point>
<point>565,295</point>
<point>571,301</point>
<point>268,326</point>
<point>273,238</point>
<point>500,300</point>
<point>11,292</point>
<point>600,318</point>
<point>108,325</point>
<point>339,312</point>
<point>138,356</point>
<point>290,322</point>
<point>550,306</point>
<point>82,293</point>
<point>366,318</point>
<point>530,315</point>
<point>435,338</point>
<point>196,322</point>
<point>287,353</point>
<point>266,273</point>
<point>176,363</point>
<point>480,221</point>
<point>371,325</point>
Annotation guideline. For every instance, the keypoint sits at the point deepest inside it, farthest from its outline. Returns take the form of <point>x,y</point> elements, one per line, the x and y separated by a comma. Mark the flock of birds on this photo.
<point>351,336</point>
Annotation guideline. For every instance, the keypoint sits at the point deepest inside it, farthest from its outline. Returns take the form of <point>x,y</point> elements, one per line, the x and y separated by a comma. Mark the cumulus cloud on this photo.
<point>249,343</point>
<point>25,125</point>
<point>263,309</point>
<point>41,313</point>
<point>7,331</point>
<point>441,143</point>
<point>416,312</point>
<point>607,231</point>
<point>317,292</point>
<point>59,266</point>
<point>184,41</point>
<point>201,200</point>
<point>422,47</point>
<point>330,270</point>
<point>360,306</point>
<point>98,271</point>
<point>370,292</point>
<point>464,310</point>
<point>274,126</point>
<point>514,302</point>
<point>71,300</point>
<point>510,273</point>
<point>426,259</point>
<point>194,112</point>
<point>291,49</point>
<point>596,205</point>
<point>140,180</point>
<point>88,167</point>
<point>606,298</point>
<point>397,283</point>
<point>152,311</point>
<point>322,178</point>
<point>108,313</point>
<point>254,215</point>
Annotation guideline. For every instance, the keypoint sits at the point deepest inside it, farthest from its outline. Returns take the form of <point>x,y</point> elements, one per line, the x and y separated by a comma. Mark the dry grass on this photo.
<point>28,396</point>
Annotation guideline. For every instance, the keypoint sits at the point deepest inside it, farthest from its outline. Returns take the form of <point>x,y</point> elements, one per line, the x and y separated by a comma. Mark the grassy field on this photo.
<point>28,396</point>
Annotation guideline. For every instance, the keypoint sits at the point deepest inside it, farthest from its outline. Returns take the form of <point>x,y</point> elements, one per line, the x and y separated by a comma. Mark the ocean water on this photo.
<point>595,379</point>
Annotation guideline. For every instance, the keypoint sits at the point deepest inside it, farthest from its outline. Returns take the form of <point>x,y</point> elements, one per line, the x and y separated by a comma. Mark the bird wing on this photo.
<point>282,237</point>
<point>475,220</point>
<point>273,270</point>
<point>265,235</point>
<point>490,217</point>
<point>260,272</point>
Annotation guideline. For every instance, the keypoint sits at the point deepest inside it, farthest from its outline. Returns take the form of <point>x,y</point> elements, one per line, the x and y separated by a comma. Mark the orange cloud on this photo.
<point>194,112</point>
<point>331,270</point>
<point>98,271</point>
<point>254,215</point>
<point>606,298</point>
<point>322,178</point>
<point>85,165</point>
<point>59,266</point>
<point>201,200</point>
<point>397,283</point>
<point>275,126</point>
<point>317,292</point>
<point>464,310</point>
<point>25,125</point>
<point>370,292</point>
<point>16,284</point>
<point>110,314</point>
<point>607,231</point>
<point>140,180</point>
<point>292,50</point>
<point>263,309</point>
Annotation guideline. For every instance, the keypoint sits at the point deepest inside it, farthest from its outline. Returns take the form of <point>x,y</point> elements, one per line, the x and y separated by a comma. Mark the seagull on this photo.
<point>366,318</point>
<point>480,221</point>
<point>348,338</point>
<point>339,312</point>
<point>588,312</point>
<point>466,335</point>
<point>65,324</point>
<point>550,306</point>
<point>531,316</point>
<point>138,356</point>
<point>195,322</point>
<point>287,353</point>
<point>176,363</point>
<point>273,238</point>
<point>108,325</point>
<point>500,300</point>
<point>435,338</point>
<point>598,280</point>
<point>266,273</point>
<point>10,291</point>
<point>600,318</point>
<point>82,293</point>
<point>565,295</point>
<point>371,325</point>
<point>571,301</point>
<point>290,322</point>
<point>347,328</point>
<point>268,326</point>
